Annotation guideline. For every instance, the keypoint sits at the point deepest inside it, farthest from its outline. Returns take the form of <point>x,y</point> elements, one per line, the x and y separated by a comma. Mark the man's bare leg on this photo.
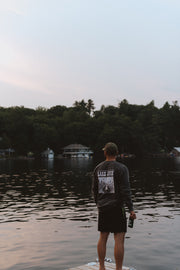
<point>101,248</point>
<point>119,249</point>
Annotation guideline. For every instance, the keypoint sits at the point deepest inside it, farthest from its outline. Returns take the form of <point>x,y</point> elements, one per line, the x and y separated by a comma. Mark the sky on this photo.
<point>54,52</point>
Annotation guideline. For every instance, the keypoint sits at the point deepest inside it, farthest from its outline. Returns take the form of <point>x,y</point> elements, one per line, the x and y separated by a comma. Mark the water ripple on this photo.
<point>41,194</point>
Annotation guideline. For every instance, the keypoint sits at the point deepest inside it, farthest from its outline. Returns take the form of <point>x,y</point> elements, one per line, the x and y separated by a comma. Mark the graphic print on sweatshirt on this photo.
<point>106,182</point>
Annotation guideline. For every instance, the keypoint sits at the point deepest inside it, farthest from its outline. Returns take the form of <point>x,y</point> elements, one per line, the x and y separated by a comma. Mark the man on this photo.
<point>111,191</point>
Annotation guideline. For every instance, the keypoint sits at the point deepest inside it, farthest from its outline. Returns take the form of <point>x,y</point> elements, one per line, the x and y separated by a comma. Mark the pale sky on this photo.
<point>53,52</point>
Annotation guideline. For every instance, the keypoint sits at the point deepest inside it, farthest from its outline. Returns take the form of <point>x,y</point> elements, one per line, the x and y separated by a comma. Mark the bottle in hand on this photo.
<point>130,222</point>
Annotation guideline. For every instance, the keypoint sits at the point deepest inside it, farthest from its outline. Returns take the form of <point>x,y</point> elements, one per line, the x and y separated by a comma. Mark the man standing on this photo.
<point>111,191</point>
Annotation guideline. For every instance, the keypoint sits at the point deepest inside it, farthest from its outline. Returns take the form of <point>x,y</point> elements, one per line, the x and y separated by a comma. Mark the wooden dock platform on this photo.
<point>95,266</point>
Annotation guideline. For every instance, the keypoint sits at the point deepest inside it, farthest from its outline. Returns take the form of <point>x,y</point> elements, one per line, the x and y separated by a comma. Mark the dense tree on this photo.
<point>57,110</point>
<point>90,106</point>
<point>80,105</point>
<point>138,129</point>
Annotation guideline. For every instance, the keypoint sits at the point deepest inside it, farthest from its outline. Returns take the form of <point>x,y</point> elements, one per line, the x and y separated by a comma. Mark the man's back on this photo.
<point>111,185</point>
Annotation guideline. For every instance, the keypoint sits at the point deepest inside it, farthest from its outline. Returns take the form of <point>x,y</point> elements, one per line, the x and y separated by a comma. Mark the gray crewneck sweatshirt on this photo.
<point>111,185</point>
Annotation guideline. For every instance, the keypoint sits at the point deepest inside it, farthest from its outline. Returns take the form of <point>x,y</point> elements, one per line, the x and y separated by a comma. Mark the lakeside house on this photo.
<point>48,153</point>
<point>77,151</point>
<point>7,152</point>
<point>175,151</point>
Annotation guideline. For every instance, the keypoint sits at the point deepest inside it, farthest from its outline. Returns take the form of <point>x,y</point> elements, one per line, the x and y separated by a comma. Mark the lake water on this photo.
<point>48,219</point>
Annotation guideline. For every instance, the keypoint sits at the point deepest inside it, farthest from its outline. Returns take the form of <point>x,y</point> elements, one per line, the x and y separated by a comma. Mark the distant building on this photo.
<point>30,154</point>
<point>7,152</point>
<point>77,151</point>
<point>176,151</point>
<point>48,153</point>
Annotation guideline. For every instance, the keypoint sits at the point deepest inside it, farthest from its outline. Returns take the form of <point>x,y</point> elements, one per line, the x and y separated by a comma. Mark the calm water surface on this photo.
<point>48,218</point>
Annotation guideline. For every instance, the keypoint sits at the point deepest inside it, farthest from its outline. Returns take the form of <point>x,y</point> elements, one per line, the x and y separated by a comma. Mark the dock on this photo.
<point>95,266</point>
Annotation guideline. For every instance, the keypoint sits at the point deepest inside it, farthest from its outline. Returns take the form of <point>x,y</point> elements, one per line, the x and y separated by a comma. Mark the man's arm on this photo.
<point>125,189</point>
<point>95,186</point>
<point>126,192</point>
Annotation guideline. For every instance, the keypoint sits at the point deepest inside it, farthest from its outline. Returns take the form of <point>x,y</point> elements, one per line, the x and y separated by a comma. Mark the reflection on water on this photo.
<point>57,193</point>
<point>35,191</point>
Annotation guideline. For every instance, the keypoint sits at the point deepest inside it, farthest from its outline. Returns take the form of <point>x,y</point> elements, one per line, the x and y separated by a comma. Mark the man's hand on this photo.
<point>132,215</point>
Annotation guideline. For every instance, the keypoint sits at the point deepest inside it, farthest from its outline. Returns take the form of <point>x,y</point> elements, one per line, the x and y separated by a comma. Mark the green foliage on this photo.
<point>137,129</point>
<point>85,106</point>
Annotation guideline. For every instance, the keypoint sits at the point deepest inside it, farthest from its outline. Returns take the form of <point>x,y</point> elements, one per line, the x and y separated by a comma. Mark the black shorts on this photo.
<point>112,220</point>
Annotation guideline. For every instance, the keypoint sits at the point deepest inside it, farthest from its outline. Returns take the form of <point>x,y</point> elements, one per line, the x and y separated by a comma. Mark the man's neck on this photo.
<point>110,158</point>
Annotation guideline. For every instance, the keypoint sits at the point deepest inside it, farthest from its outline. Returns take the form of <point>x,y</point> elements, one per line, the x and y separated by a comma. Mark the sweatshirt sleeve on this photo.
<point>95,186</point>
<point>125,188</point>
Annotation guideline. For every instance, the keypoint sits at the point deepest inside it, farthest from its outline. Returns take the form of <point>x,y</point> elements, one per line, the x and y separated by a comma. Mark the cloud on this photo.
<point>23,82</point>
<point>16,11</point>
<point>13,7</point>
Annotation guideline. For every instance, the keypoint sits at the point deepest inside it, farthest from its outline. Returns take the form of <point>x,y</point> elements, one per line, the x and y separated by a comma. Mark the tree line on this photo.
<point>137,129</point>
